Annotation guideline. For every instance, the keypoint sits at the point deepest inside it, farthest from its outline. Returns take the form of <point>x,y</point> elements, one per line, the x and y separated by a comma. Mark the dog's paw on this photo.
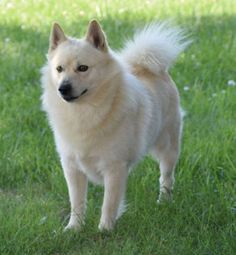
<point>107,225</point>
<point>165,196</point>
<point>75,223</point>
<point>72,226</point>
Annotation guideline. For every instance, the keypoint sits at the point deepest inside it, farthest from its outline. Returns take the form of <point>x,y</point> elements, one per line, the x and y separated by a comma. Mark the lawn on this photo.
<point>34,202</point>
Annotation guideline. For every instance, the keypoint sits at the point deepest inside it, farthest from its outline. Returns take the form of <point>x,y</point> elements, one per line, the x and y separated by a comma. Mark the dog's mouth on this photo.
<point>72,98</point>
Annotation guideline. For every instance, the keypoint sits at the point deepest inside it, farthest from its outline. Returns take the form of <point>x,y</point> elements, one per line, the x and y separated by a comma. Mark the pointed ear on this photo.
<point>57,36</point>
<point>96,36</point>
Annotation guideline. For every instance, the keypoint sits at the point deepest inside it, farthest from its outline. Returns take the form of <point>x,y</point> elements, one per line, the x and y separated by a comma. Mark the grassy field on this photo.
<point>34,203</point>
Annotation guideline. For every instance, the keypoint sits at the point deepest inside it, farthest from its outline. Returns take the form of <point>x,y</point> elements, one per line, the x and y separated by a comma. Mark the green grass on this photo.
<point>33,195</point>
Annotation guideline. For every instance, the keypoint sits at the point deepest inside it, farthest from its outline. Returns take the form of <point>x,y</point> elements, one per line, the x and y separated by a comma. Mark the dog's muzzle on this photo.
<point>66,92</point>
<point>65,89</point>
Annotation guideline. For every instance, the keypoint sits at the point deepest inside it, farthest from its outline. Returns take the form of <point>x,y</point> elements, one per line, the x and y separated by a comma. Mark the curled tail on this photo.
<point>155,47</point>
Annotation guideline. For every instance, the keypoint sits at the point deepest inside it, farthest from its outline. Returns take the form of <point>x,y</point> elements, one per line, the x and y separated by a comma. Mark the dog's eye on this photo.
<point>82,68</point>
<point>59,69</point>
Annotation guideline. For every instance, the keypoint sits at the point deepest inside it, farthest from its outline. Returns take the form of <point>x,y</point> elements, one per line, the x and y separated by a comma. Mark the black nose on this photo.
<point>65,88</point>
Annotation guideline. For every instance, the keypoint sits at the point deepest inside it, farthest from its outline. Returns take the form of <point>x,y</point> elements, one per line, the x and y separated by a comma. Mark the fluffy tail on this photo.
<point>155,48</point>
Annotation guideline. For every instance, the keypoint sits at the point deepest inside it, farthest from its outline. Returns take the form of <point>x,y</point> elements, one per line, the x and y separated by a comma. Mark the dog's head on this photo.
<point>78,66</point>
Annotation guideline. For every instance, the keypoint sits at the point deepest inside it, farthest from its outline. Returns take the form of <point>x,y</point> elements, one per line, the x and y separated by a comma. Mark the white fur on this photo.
<point>155,47</point>
<point>131,108</point>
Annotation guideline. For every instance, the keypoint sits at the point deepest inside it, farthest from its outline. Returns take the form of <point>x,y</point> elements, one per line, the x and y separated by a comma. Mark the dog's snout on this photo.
<point>65,88</point>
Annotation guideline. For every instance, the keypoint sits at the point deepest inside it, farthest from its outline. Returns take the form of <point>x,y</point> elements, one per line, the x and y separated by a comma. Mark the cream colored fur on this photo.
<point>130,108</point>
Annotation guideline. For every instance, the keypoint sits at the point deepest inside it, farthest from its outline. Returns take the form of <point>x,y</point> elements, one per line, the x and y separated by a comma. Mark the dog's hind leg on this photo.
<point>167,152</point>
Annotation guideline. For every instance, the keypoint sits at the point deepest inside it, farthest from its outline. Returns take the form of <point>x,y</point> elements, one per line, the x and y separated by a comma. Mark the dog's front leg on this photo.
<point>77,187</point>
<point>114,190</point>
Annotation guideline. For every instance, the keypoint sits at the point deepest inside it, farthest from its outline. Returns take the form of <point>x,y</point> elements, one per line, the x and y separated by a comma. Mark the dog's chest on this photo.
<point>74,130</point>
<point>91,166</point>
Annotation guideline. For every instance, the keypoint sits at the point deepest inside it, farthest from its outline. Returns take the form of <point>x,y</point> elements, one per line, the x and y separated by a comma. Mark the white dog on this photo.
<point>107,110</point>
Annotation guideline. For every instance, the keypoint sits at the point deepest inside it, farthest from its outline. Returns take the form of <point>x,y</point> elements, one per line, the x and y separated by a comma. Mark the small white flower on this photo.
<point>214,95</point>
<point>121,10</point>
<point>9,5</point>
<point>98,10</point>
<point>7,40</point>
<point>186,88</point>
<point>231,83</point>
<point>43,220</point>
<point>81,13</point>
<point>54,232</point>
